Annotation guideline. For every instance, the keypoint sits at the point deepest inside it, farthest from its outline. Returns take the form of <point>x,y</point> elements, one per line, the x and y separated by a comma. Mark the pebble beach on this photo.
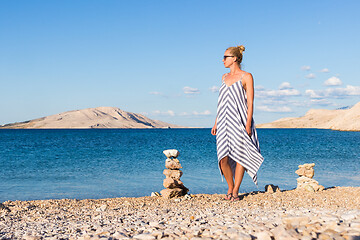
<point>333,213</point>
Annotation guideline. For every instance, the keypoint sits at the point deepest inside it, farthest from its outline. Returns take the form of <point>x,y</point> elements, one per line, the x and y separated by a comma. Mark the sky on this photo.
<point>163,58</point>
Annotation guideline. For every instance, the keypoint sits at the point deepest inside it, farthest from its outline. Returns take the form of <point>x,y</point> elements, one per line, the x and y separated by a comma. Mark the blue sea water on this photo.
<point>103,163</point>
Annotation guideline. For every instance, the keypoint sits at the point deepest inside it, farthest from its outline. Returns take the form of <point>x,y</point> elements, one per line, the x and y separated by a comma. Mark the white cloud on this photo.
<point>324,70</point>
<point>334,92</point>
<point>312,93</point>
<point>283,101</point>
<point>305,68</point>
<point>189,90</point>
<point>204,113</point>
<point>171,113</point>
<point>195,113</point>
<point>285,85</point>
<point>166,113</point>
<point>285,90</point>
<point>274,109</point>
<point>259,88</point>
<point>310,76</point>
<point>184,114</point>
<point>214,89</point>
<point>322,102</point>
<point>277,93</point>
<point>333,81</point>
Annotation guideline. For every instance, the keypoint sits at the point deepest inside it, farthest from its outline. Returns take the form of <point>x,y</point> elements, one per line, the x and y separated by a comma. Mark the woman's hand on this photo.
<point>213,130</point>
<point>248,130</point>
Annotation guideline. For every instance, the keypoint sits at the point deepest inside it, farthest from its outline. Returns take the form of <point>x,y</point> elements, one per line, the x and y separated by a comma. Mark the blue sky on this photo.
<point>163,58</point>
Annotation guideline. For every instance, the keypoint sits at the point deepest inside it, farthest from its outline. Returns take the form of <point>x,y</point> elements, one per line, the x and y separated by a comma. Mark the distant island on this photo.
<point>341,119</point>
<point>100,117</point>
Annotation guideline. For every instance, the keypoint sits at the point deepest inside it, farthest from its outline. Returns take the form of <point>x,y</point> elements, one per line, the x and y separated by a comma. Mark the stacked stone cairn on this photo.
<point>174,186</point>
<point>305,181</point>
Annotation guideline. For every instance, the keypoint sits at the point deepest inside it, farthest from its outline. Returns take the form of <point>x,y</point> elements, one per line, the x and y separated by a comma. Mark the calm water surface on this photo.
<point>101,163</point>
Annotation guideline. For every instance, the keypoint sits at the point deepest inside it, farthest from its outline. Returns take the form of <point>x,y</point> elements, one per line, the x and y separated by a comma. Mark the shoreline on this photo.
<point>289,214</point>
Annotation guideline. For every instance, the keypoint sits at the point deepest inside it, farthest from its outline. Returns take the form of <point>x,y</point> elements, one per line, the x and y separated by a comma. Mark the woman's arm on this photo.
<point>249,87</point>
<point>214,128</point>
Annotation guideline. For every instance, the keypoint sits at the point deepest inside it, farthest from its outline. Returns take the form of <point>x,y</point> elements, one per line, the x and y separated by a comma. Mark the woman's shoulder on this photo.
<point>247,76</point>
<point>224,76</point>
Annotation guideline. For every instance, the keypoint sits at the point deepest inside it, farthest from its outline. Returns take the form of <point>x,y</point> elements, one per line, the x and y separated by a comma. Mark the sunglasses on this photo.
<point>227,57</point>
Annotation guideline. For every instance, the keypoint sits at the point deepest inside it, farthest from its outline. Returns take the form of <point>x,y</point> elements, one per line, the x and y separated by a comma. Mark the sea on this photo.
<point>108,163</point>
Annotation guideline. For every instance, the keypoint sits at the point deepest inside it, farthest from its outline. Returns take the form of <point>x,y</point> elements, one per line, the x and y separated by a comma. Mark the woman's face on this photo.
<point>228,59</point>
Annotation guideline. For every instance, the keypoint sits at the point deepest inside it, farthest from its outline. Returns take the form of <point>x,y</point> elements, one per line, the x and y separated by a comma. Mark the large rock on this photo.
<point>175,174</point>
<point>271,188</point>
<point>172,164</point>
<point>304,182</point>
<point>306,170</point>
<point>172,183</point>
<point>171,153</point>
<point>170,193</point>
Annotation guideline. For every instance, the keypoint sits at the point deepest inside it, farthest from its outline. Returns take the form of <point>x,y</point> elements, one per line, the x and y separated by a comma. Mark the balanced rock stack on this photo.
<point>305,181</point>
<point>174,187</point>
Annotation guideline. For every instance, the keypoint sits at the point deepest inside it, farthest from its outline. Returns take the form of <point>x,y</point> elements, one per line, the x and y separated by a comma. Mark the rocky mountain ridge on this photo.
<point>341,119</point>
<point>100,117</point>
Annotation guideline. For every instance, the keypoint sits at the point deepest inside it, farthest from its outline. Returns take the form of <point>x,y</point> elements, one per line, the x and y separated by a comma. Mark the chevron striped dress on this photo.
<point>232,139</point>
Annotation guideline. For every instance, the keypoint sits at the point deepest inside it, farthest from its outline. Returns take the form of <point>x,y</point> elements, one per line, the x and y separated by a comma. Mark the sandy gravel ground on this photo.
<point>331,214</point>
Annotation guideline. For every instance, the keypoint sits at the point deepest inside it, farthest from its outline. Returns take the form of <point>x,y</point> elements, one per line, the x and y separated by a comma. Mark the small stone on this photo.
<point>102,208</point>
<point>324,236</point>
<point>263,236</point>
<point>306,180</point>
<point>171,164</point>
<point>153,224</point>
<point>306,170</point>
<point>158,234</point>
<point>349,216</point>
<point>155,194</point>
<point>281,233</point>
<point>119,235</point>
<point>243,236</point>
<point>309,188</point>
<point>175,174</point>
<point>27,237</point>
<point>187,196</point>
<point>171,153</point>
<point>144,236</point>
<point>296,221</point>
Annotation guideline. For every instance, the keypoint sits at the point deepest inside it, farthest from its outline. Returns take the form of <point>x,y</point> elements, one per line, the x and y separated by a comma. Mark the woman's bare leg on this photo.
<point>239,174</point>
<point>226,170</point>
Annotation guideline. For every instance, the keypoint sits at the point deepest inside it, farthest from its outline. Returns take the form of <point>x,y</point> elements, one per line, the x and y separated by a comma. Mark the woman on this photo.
<point>236,138</point>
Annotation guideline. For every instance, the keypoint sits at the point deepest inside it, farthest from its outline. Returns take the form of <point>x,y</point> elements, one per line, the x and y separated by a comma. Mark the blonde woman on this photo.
<point>236,138</point>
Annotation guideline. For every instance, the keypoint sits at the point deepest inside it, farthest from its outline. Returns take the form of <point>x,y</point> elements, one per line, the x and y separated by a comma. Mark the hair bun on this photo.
<point>241,48</point>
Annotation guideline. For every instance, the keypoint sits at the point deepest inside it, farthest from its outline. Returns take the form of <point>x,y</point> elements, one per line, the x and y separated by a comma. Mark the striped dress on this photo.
<point>232,139</point>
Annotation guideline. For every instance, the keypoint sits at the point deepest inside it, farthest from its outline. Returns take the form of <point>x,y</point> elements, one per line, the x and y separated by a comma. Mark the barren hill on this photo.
<point>343,120</point>
<point>100,117</point>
